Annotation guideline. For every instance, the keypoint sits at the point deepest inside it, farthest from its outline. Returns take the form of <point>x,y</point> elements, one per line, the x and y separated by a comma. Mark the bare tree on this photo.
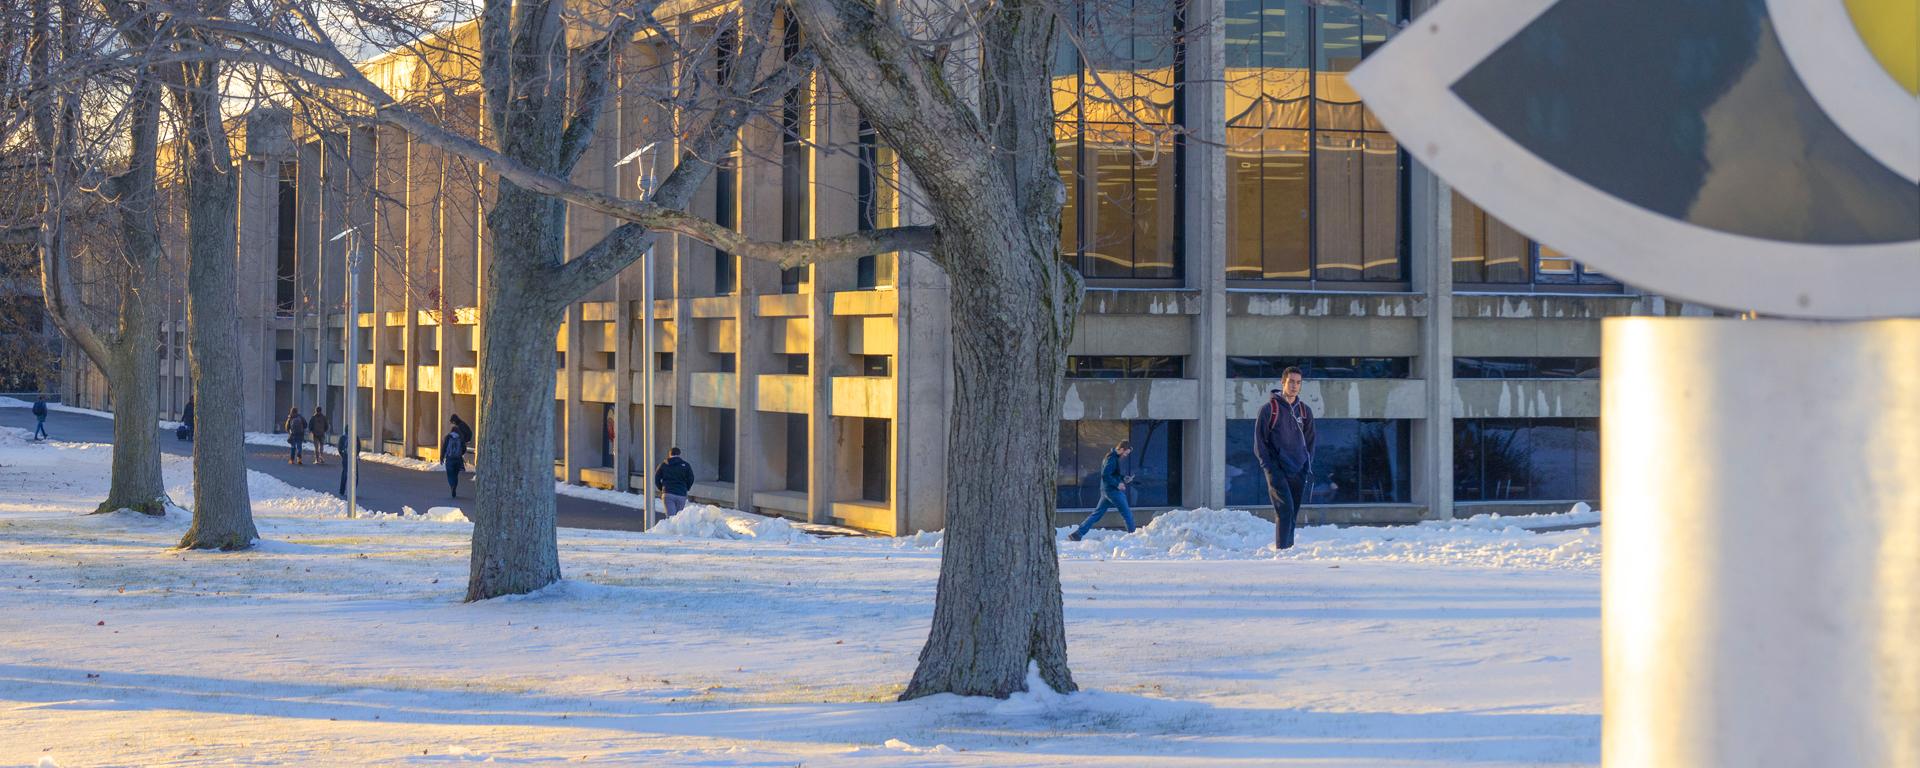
<point>962,91</point>
<point>121,338</point>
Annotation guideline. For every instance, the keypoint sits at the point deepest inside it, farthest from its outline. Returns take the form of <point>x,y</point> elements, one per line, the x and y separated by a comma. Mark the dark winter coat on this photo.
<point>317,424</point>
<point>674,476</point>
<point>296,425</point>
<point>1283,436</point>
<point>40,408</point>
<point>186,414</point>
<point>1110,477</point>
<point>453,451</point>
<point>466,434</point>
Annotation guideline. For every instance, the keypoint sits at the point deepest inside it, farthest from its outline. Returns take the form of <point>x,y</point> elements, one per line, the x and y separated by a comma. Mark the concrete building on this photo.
<point>1451,361</point>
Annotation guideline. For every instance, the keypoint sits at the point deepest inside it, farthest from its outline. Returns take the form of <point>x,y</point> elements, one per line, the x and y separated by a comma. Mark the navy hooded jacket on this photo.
<point>1283,436</point>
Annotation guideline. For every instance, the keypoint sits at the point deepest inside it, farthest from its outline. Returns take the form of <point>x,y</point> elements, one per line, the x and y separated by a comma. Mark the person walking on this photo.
<point>347,457</point>
<point>296,427</point>
<point>317,427</point>
<point>1283,441</point>
<point>674,479</point>
<point>186,422</point>
<point>40,418</point>
<point>466,433</point>
<point>453,456</point>
<point>1113,491</point>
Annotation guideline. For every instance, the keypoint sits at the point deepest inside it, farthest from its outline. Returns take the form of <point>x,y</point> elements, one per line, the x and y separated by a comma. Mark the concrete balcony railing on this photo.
<point>427,378</point>
<point>784,393</point>
<point>663,389</point>
<point>1117,399</point>
<point>713,390</point>
<point>868,302</point>
<point>598,386</point>
<point>1336,398</point>
<point>396,377</point>
<point>873,397</point>
<point>1525,398</point>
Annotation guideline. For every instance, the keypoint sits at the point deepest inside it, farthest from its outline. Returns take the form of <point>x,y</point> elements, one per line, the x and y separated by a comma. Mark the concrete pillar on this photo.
<point>923,373</point>
<point>1205,225</point>
<point>1432,238</point>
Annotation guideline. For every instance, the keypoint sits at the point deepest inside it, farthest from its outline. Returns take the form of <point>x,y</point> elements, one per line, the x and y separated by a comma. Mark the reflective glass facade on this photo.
<point>1355,461</point>
<point>1526,459</point>
<point>1117,99</point>
<point>1154,463</point>
<point>1488,252</point>
<point>1316,188</point>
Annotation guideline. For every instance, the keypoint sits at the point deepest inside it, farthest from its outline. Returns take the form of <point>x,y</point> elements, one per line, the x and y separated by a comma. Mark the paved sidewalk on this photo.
<point>383,487</point>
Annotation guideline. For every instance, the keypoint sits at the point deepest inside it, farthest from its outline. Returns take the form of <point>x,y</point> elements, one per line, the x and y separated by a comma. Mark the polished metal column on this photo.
<point>1761,601</point>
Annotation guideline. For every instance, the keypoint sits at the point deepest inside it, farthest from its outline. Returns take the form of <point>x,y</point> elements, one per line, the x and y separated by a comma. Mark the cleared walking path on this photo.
<point>383,487</point>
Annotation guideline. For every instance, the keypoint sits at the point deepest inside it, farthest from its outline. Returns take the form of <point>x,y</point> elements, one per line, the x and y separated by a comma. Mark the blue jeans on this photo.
<point>1108,500</point>
<point>40,428</point>
<point>294,442</point>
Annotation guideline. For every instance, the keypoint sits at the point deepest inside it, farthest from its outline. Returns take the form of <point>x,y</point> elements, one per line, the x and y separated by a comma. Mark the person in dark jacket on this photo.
<point>347,456</point>
<point>317,427</point>
<point>674,479</point>
<point>40,418</point>
<point>186,422</point>
<point>1283,441</point>
<point>296,427</point>
<point>466,433</point>
<point>453,456</point>
<point>1113,491</point>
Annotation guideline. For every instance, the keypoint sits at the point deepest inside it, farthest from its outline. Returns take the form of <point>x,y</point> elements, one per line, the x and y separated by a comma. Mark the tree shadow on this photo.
<point>1095,724</point>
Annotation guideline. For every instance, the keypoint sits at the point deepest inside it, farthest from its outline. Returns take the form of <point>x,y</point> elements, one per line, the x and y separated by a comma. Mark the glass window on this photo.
<point>1154,463</point>
<point>724,439</point>
<point>1125,367</point>
<point>1526,459</point>
<point>797,452</point>
<point>1355,461</point>
<point>1241,367</point>
<point>876,365</point>
<point>726,213</point>
<point>1526,367</point>
<point>1488,252</point>
<point>875,446</point>
<point>1117,108</point>
<point>796,210</point>
<point>1315,186</point>
<point>796,363</point>
<point>875,204</point>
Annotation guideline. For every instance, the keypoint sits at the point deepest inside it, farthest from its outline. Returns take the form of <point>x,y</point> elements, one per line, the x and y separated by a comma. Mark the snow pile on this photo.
<point>447,515</point>
<point>1199,534</point>
<point>705,521</point>
<point>1231,534</point>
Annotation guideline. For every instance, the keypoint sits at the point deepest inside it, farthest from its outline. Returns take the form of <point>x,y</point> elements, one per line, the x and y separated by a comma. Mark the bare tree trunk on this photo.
<point>998,603</point>
<point>514,542</point>
<point>125,353</point>
<point>222,510</point>
<point>987,169</point>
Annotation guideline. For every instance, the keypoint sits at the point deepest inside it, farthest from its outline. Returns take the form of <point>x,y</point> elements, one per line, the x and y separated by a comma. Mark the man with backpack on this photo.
<point>1283,441</point>
<point>318,426</point>
<point>296,435</point>
<point>674,479</point>
<point>453,456</point>
<point>1113,491</point>
<point>40,418</point>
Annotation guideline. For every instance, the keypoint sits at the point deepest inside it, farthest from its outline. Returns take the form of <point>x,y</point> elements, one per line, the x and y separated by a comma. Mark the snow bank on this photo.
<point>447,515</point>
<point>1231,534</point>
<point>705,521</point>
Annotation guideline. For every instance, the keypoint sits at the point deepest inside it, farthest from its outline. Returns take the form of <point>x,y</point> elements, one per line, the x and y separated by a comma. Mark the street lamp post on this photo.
<point>644,156</point>
<point>352,379</point>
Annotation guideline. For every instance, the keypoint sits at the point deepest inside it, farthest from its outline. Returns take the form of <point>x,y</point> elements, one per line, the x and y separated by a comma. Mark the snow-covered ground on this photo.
<point>728,639</point>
